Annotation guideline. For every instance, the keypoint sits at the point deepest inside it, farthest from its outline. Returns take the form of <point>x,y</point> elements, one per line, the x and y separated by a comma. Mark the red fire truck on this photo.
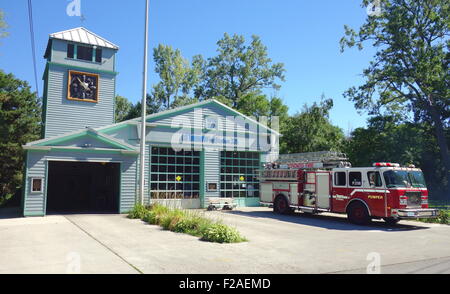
<point>325,182</point>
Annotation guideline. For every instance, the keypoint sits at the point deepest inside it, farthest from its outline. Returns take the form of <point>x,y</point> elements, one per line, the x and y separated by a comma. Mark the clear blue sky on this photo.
<point>302,34</point>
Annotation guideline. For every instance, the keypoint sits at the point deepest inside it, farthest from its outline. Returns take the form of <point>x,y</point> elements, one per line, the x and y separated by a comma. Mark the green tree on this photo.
<point>311,130</point>
<point>122,108</point>
<point>20,123</point>
<point>178,77</point>
<point>3,25</point>
<point>409,72</point>
<point>389,139</point>
<point>238,70</point>
<point>258,105</point>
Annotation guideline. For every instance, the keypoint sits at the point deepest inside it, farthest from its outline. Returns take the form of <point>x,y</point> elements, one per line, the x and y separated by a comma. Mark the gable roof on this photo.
<point>84,36</point>
<point>46,144</point>
<point>200,104</point>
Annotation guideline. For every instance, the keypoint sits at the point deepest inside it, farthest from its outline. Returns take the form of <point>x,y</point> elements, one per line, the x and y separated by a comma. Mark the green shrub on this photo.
<point>444,217</point>
<point>150,217</point>
<point>171,218</point>
<point>187,222</point>
<point>193,225</point>
<point>138,212</point>
<point>221,233</point>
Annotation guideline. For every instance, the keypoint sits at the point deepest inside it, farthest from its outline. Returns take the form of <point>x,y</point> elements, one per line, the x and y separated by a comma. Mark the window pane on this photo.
<point>340,179</point>
<point>354,179</point>
<point>98,55</point>
<point>84,53</point>
<point>70,50</point>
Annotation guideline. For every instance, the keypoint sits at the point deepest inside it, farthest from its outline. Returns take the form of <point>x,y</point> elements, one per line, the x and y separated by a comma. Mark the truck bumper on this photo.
<point>408,213</point>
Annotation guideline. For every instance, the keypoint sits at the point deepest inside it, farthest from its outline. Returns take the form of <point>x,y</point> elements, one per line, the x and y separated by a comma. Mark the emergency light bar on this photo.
<point>380,164</point>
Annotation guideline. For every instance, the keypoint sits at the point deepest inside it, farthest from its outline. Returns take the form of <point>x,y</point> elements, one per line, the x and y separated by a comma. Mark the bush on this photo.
<point>138,212</point>
<point>193,225</point>
<point>171,218</point>
<point>187,222</point>
<point>442,218</point>
<point>221,233</point>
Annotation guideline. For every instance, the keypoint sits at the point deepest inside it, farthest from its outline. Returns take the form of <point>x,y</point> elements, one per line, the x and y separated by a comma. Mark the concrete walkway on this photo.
<point>277,244</point>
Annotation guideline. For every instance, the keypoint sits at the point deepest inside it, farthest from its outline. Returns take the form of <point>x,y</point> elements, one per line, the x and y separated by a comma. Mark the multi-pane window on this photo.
<point>174,174</point>
<point>84,53</point>
<point>239,174</point>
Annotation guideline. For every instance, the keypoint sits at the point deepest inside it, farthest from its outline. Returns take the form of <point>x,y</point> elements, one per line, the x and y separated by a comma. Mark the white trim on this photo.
<point>83,160</point>
<point>42,179</point>
<point>369,191</point>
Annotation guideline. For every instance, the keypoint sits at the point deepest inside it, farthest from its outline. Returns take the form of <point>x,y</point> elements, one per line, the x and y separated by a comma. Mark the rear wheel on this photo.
<point>391,221</point>
<point>281,205</point>
<point>358,214</point>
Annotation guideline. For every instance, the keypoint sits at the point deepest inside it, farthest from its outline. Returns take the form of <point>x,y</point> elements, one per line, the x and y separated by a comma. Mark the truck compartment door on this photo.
<point>266,192</point>
<point>323,190</point>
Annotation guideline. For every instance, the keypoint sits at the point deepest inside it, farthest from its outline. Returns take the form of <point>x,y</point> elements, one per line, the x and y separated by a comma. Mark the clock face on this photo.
<point>83,86</point>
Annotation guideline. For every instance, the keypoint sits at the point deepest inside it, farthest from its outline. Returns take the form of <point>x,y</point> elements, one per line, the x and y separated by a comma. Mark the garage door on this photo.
<point>83,187</point>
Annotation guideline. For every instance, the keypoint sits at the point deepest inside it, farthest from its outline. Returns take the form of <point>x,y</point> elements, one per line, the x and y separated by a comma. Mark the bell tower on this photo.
<point>79,82</point>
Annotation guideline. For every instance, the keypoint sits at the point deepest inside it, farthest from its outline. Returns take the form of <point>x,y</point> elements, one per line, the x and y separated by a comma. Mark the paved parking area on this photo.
<point>277,244</point>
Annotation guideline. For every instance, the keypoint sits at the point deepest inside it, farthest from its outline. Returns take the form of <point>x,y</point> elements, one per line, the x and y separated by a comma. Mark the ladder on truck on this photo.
<point>322,159</point>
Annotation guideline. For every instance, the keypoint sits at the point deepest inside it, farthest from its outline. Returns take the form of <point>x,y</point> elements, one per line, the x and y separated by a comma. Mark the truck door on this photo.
<point>323,190</point>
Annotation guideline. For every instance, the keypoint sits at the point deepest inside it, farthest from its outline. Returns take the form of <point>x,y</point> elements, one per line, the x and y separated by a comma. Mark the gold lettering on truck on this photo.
<point>377,197</point>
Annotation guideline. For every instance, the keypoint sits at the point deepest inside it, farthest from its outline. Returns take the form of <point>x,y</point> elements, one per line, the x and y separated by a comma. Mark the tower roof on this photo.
<point>84,36</point>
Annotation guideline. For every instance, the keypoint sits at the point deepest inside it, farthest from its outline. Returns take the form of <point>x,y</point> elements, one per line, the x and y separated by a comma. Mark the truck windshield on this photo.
<point>404,179</point>
<point>417,179</point>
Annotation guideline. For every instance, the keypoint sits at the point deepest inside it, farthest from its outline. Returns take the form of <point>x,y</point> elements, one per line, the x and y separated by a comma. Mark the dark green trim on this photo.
<point>24,182</point>
<point>88,133</point>
<point>202,179</point>
<point>45,188</point>
<point>93,70</point>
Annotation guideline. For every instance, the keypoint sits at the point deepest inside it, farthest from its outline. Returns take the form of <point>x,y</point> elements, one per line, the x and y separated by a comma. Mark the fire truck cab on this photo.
<point>326,182</point>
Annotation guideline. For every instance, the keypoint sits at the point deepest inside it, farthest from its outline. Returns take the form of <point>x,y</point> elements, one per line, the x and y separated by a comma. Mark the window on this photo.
<point>355,179</point>
<point>340,179</point>
<point>98,55</point>
<point>174,174</point>
<point>374,179</point>
<point>84,53</point>
<point>70,50</point>
<point>239,174</point>
<point>37,185</point>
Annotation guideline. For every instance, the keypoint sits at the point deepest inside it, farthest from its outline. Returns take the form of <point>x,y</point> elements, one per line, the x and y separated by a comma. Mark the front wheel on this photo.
<point>391,221</point>
<point>358,214</point>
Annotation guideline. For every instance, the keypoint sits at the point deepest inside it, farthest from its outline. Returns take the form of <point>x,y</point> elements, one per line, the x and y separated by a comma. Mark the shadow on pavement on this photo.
<point>329,222</point>
<point>10,212</point>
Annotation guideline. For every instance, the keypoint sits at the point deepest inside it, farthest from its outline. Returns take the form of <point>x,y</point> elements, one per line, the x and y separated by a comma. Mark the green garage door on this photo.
<point>174,174</point>
<point>238,174</point>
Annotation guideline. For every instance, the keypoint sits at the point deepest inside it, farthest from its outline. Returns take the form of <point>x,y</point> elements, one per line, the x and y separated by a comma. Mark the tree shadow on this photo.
<point>330,222</point>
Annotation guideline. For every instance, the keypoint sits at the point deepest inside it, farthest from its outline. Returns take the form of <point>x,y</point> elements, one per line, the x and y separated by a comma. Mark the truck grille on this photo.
<point>414,199</point>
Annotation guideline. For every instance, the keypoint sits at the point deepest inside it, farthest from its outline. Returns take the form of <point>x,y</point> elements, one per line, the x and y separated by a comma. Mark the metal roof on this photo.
<point>82,35</point>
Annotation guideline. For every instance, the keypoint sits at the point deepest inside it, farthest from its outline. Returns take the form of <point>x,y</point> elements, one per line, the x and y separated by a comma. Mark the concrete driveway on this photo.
<point>277,244</point>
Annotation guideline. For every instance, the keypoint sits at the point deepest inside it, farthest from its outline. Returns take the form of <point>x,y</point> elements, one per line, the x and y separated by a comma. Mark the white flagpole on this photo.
<point>144,112</point>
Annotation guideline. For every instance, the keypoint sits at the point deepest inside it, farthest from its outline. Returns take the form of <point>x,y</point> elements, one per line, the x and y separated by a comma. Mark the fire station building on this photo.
<point>85,162</point>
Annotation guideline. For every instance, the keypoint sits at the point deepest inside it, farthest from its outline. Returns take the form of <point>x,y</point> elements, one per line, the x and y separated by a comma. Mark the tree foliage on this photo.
<point>20,117</point>
<point>238,69</point>
<point>3,25</point>
<point>122,108</point>
<point>409,73</point>
<point>311,130</point>
<point>389,139</point>
<point>177,76</point>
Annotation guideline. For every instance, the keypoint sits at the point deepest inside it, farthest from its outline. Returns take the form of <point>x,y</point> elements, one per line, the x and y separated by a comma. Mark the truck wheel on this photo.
<point>391,221</point>
<point>357,214</point>
<point>281,206</point>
